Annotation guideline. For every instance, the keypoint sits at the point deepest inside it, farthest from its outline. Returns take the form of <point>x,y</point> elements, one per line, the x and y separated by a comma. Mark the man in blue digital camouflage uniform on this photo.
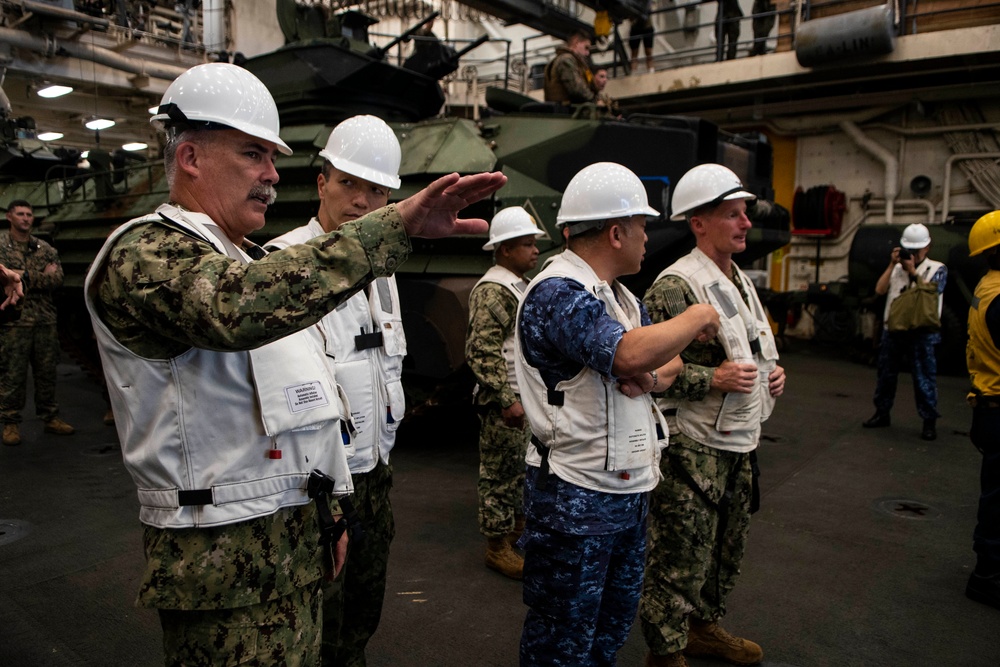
<point>586,360</point>
<point>221,388</point>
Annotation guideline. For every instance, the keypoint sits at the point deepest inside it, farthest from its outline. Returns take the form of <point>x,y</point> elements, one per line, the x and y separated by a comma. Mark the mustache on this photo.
<point>265,192</point>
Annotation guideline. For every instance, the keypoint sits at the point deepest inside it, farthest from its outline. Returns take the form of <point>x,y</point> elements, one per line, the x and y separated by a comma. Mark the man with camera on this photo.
<point>908,266</point>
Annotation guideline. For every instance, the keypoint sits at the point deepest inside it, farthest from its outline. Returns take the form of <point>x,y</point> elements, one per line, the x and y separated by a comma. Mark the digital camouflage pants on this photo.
<point>919,347</point>
<point>37,346</point>
<point>284,632</point>
<point>352,604</point>
<point>582,592</point>
<point>501,472</point>
<point>695,547</point>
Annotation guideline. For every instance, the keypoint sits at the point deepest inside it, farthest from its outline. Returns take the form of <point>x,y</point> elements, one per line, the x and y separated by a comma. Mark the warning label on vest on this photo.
<point>306,396</point>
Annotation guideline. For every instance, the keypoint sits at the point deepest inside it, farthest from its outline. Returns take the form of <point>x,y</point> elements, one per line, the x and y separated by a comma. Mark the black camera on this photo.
<point>905,254</point>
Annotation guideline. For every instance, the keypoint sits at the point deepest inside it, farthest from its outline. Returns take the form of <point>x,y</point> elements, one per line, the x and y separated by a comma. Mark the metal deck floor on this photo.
<point>859,555</point>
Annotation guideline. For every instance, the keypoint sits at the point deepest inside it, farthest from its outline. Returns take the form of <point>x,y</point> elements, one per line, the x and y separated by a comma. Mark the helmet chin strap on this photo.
<point>722,197</point>
<point>577,228</point>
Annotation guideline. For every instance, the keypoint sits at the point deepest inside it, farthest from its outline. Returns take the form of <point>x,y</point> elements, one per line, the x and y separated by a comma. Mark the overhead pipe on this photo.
<point>61,13</point>
<point>946,198</point>
<point>887,158</point>
<point>50,47</point>
<point>933,129</point>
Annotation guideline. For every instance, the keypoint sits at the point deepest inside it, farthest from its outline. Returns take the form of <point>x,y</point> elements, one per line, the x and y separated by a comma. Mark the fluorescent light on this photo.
<point>100,124</point>
<point>50,136</point>
<point>54,91</point>
<point>134,146</point>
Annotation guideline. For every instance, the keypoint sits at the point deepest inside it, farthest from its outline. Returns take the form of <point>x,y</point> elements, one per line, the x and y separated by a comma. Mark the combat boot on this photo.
<point>668,660</point>
<point>58,426</point>
<point>984,588</point>
<point>503,559</point>
<point>929,432</point>
<point>514,535</point>
<point>878,420</point>
<point>710,640</point>
<point>11,435</point>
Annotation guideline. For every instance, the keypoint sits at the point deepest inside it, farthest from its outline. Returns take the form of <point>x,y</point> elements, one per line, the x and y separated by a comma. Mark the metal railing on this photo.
<point>101,187</point>
<point>772,26</point>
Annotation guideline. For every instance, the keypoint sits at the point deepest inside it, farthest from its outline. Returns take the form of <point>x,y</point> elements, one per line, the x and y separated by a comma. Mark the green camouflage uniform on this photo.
<point>492,311</point>
<point>162,292</point>
<point>692,561</point>
<point>568,79</point>
<point>31,339</point>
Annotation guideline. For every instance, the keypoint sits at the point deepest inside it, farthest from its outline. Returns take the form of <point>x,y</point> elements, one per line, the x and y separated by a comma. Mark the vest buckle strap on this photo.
<point>555,397</point>
<point>319,488</point>
<point>187,498</point>
<point>543,469</point>
<point>366,341</point>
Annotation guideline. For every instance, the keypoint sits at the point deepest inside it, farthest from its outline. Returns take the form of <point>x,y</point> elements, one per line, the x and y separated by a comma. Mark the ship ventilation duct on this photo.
<point>885,157</point>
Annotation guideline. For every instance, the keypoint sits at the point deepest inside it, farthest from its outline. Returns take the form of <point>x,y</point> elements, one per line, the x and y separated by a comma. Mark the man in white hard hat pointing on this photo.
<point>587,358</point>
<point>364,338</point>
<point>489,351</point>
<point>700,511</point>
<point>219,382</point>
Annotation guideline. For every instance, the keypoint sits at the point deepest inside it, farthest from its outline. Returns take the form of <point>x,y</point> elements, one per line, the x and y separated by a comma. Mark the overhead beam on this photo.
<point>541,16</point>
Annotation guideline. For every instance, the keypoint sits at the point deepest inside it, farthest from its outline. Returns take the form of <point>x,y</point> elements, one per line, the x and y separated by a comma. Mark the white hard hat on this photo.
<point>915,237</point>
<point>706,184</point>
<point>603,191</point>
<point>511,223</point>
<point>225,94</point>
<point>364,146</point>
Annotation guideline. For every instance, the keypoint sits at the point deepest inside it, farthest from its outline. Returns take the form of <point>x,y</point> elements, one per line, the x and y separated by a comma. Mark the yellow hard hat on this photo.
<point>985,234</point>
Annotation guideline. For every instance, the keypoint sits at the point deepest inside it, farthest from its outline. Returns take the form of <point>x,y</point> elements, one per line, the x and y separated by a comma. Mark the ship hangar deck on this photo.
<point>859,555</point>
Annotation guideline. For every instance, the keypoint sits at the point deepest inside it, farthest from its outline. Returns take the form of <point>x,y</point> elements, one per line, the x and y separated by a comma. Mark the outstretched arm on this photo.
<point>433,212</point>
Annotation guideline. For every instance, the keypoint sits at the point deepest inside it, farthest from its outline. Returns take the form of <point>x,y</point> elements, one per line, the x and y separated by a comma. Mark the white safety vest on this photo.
<point>899,282</point>
<point>516,285</point>
<point>200,432</point>
<point>727,421</point>
<point>598,438</point>
<point>365,340</point>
